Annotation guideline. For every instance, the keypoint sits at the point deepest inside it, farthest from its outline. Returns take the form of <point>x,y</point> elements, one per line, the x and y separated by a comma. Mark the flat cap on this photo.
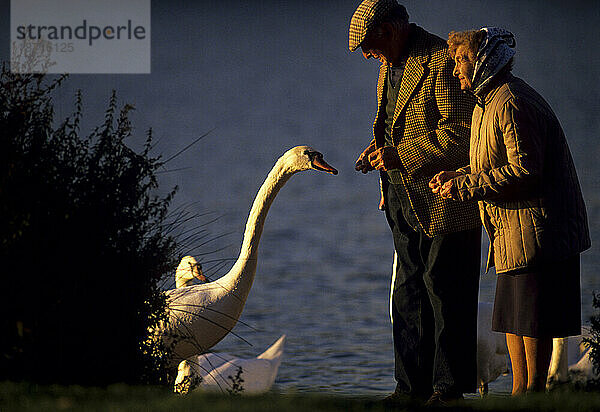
<point>368,14</point>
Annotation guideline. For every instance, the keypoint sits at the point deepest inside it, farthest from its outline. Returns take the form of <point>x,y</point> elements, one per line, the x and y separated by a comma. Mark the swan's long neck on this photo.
<point>240,277</point>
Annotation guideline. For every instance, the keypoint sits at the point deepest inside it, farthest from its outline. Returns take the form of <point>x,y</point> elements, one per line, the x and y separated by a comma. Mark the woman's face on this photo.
<point>464,67</point>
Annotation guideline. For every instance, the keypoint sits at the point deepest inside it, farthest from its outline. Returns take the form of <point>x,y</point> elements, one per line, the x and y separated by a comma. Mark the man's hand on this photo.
<point>382,205</point>
<point>385,158</point>
<point>362,163</point>
<point>436,183</point>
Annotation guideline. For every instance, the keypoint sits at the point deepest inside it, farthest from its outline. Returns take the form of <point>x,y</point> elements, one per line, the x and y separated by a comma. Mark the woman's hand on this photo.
<point>448,190</point>
<point>437,181</point>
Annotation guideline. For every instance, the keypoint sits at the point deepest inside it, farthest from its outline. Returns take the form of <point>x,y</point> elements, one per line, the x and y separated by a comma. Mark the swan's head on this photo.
<point>187,271</point>
<point>187,378</point>
<point>302,158</point>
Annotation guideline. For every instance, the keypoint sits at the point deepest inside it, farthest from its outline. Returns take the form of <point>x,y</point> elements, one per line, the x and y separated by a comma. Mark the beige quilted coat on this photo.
<point>523,176</point>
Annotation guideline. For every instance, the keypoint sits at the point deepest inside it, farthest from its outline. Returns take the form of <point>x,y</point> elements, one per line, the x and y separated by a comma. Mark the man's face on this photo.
<point>377,48</point>
<point>464,68</point>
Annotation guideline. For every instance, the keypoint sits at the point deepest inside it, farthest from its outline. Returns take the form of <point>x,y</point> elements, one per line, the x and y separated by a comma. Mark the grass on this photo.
<point>29,397</point>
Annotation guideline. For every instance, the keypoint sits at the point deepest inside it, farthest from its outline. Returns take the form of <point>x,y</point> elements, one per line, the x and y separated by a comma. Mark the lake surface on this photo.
<point>266,76</point>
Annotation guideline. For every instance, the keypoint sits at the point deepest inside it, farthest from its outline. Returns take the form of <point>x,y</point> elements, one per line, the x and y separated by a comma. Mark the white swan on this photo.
<point>228,374</point>
<point>199,316</point>
<point>570,361</point>
<point>583,370</point>
<point>187,271</point>
<point>492,351</point>
<point>563,355</point>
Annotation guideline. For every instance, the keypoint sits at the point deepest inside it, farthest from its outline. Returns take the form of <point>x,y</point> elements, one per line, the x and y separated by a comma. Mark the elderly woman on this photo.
<point>530,203</point>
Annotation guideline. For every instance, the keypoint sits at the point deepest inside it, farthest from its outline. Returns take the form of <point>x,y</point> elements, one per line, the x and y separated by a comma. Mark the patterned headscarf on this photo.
<point>493,54</point>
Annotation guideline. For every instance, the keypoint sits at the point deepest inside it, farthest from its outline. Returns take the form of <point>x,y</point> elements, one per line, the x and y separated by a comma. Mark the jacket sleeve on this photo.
<point>464,170</point>
<point>446,147</point>
<point>521,138</point>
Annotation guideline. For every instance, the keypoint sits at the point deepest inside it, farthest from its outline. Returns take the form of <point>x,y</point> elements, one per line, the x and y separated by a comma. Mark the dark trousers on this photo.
<point>433,304</point>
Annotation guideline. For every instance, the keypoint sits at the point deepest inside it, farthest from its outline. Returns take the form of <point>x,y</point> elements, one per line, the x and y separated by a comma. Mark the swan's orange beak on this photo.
<point>320,164</point>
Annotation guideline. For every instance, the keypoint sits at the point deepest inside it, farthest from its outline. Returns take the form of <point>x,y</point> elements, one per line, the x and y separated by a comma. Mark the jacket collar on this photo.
<point>418,57</point>
<point>418,44</point>
<point>487,94</point>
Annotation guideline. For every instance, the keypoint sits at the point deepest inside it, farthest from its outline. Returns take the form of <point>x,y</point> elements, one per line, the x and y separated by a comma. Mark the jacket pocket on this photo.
<point>494,216</point>
<point>498,237</point>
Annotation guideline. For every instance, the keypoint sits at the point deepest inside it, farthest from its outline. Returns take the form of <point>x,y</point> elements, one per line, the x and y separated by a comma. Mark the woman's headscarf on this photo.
<point>493,54</point>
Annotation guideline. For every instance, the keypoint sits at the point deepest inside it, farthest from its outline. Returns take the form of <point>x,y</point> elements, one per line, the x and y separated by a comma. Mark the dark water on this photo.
<point>266,76</point>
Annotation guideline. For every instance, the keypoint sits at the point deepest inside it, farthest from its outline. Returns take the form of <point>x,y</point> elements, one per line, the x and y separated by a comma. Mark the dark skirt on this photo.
<point>541,302</point>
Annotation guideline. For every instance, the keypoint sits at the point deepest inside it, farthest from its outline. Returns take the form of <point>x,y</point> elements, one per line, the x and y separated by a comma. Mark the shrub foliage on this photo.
<point>83,243</point>
<point>594,338</point>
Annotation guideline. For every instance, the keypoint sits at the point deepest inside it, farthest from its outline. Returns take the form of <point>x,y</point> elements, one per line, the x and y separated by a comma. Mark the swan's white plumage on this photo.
<point>571,361</point>
<point>492,352</point>
<point>217,370</point>
<point>202,315</point>
<point>583,369</point>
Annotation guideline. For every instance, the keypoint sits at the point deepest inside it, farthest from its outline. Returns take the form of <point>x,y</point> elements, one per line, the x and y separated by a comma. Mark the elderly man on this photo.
<point>422,125</point>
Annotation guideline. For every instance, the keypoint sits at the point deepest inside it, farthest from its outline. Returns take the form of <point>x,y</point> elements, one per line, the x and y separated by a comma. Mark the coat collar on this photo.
<point>487,94</point>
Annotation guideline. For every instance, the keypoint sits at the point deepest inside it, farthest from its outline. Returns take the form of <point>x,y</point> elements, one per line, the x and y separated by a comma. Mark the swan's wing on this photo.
<point>576,349</point>
<point>273,355</point>
<point>257,375</point>
<point>200,316</point>
<point>210,361</point>
<point>584,366</point>
<point>216,379</point>
<point>495,340</point>
<point>275,351</point>
<point>484,316</point>
<point>490,363</point>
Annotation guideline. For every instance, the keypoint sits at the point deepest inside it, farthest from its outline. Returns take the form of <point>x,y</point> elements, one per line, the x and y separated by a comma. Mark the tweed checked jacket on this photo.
<point>430,129</point>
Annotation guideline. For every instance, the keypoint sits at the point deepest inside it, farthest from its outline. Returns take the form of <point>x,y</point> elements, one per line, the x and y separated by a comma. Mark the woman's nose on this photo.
<point>455,72</point>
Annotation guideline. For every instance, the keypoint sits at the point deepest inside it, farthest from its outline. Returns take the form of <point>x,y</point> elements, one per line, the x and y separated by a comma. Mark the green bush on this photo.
<point>83,243</point>
<point>594,342</point>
